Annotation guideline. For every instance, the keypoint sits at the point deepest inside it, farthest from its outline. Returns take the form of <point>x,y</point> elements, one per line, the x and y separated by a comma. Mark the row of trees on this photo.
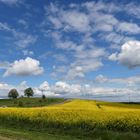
<point>13,93</point>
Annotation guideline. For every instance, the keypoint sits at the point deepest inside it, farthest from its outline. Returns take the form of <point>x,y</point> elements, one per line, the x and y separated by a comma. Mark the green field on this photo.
<point>29,102</point>
<point>70,119</point>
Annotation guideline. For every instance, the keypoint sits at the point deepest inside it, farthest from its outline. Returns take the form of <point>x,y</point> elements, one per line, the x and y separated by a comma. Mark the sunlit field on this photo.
<point>75,116</point>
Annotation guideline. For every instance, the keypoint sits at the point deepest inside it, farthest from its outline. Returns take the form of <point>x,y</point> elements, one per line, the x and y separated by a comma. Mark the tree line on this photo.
<point>13,93</point>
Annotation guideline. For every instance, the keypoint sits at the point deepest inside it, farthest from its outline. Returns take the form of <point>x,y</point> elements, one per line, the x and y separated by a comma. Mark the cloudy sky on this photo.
<point>87,49</point>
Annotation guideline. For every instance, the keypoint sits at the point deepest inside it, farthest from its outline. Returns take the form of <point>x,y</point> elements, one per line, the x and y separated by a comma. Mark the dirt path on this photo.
<point>5,138</point>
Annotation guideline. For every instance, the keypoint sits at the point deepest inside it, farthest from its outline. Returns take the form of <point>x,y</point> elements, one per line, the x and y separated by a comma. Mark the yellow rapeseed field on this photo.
<point>84,114</point>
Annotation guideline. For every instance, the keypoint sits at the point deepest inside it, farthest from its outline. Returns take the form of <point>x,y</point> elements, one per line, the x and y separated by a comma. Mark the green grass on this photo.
<point>29,102</point>
<point>31,135</point>
<point>21,134</point>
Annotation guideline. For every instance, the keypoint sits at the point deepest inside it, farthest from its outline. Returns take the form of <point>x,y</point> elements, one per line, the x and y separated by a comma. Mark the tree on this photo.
<point>13,93</point>
<point>43,97</point>
<point>28,92</point>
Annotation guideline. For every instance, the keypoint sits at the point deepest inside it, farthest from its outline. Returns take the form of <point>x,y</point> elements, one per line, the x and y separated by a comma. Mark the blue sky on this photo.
<point>82,48</point>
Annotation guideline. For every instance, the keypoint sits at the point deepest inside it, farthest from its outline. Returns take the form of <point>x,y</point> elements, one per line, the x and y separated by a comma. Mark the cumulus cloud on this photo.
<point>44,86</point>
<point>87,22</point>
<point>24,67</point>
<point>45,89</point>
<point>64,88</point>
<point>113,57</point>
<point>129,54</point>
<point>4,88</point>
<point>128,81</point>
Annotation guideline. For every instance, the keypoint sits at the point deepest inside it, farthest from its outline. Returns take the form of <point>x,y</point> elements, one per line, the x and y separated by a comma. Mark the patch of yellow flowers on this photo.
<point>85,114</point>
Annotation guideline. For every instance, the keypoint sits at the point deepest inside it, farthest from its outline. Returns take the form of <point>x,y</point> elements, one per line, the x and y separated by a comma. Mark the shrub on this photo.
<point>20,103</point>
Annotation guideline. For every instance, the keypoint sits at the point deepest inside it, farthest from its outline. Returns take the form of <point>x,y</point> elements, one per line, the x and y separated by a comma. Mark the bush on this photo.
<point>40,101</point>
<point>15,102</point>
<point>20,104</point>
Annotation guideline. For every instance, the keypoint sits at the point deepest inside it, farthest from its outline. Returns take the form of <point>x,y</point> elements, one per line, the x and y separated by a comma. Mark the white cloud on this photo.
<point>101,79</point>
<point>103,22</point>
<point>23,22</point>
<point>4,86</point>
<point>56,22</point>
<point>92,17</point>
<point>99,16</point>
<point>24,67</point>
<point>82,66</point>
<point>25,40</point>
<point>128,81</point>
<point>4,26</point>
<point>11,2</point>
<point>27,52</point>
<point>90,53</point>
<point>23,83</point>
<point>84,21</point>
<point>4,89</point>
<point>85,61</point>
<point>45,89</point>
<point>93,6</point>
<point>21,39</point>
<point>4,65</point>
<point>60,57</point>
<point>113,57</point>
<point>132,9</point>
<point>116,38</point>
<point>130,28</point>
<point>67,45</point>
<point>129,55</point>
<point>63,88</point>
<point>77,20</point>
<point>44,86</point>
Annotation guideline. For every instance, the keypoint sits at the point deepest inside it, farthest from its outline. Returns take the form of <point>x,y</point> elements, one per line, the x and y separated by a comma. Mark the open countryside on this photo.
<point>69,70</point>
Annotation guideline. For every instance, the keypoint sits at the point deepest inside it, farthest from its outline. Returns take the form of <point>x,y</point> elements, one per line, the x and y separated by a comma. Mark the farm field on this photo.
<point>29,102</point>
<point>69,70</point>
<point>82,119</point>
